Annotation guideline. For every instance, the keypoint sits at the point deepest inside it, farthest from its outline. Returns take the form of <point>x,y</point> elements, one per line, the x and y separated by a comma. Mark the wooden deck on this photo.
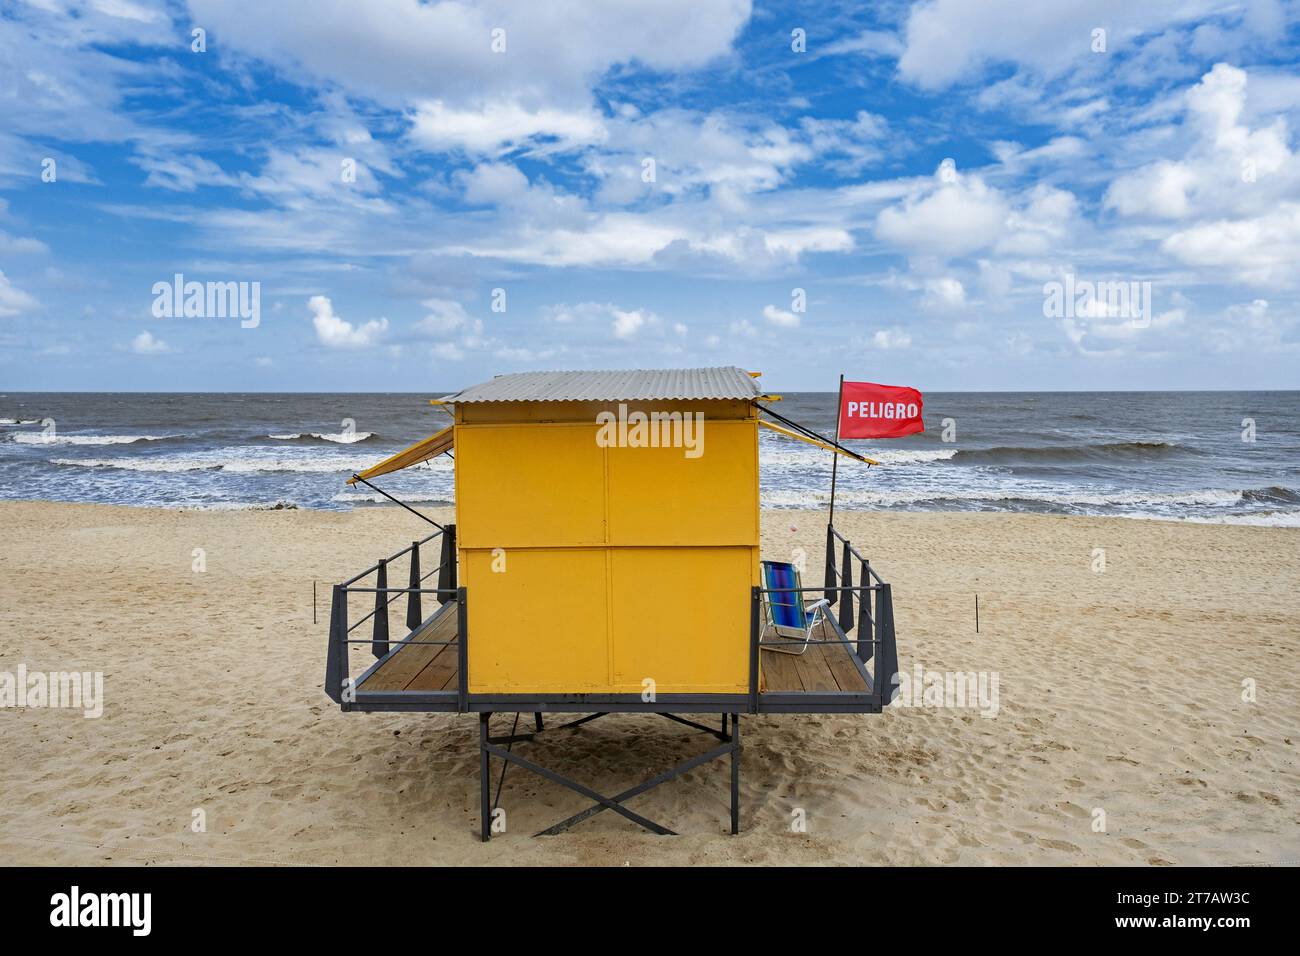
<point>821,668</point>
<point>419,666</point>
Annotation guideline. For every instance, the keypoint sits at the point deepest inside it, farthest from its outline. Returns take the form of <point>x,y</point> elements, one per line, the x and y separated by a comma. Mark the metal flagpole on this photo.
<point>835,463</point>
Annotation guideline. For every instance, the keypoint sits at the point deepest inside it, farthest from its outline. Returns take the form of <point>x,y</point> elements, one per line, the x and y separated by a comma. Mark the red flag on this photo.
<point>868,410</point>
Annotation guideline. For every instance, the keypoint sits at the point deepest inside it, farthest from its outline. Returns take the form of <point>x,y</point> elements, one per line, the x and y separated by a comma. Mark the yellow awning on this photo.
<point>431,447</point>
<point>812,441</point>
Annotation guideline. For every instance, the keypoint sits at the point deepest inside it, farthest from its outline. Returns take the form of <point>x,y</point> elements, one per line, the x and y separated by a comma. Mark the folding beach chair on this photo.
<point>786,615</point>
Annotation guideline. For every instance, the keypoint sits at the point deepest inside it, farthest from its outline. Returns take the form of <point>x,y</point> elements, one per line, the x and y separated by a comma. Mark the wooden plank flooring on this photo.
<point>421,666</point>
<point>823,667</point>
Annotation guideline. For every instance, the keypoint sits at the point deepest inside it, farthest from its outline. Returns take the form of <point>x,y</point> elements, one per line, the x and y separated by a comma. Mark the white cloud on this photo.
<point>952,40</point>
<point>1159,189</point>
<point>498,126</point>
<point>170,168</point>
<point>437,61</point>
<point>445,317</point>
<point>1104,325</point>
<point>945,293</point>
<point>946,218</point>
<point>780,317</point>
<point>1261,250</point>
<point>1039,224</point>
<point>336,333</point>
<point>12,299</point>
<point>1252,326</point>
<point>846,146</point>
<point>146,344</point>
<point>1228,169</point>
<point>15,245</point>
<point>628,323</point>
<point>892,338</point>
<point>624,324</point>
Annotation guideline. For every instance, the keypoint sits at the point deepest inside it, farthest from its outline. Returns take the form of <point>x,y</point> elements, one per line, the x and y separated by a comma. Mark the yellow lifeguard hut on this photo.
<point>605,557</point>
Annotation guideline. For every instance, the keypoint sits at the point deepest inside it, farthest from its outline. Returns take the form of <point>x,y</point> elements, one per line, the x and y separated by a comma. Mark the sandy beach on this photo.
<point>1120,691</point>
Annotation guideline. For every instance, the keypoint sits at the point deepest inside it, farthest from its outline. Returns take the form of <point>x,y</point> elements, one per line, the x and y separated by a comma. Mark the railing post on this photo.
<point>484,784</point>
<point>447,565</point>
<point>336,660</point>
<point>462,652</point>
<point>754,599</point>
<point>864,614</point>
<point>379,640</point>
<point>413,615</point>
<point>846,595</point>
<point>830,563</point>
<point>887,661</point>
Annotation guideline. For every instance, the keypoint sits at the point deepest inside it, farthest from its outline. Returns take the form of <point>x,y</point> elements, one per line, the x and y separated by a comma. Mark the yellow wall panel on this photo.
<point>539,626</point>
<point>658,496</point>
<point>521,486</point>
<point>681,618</point>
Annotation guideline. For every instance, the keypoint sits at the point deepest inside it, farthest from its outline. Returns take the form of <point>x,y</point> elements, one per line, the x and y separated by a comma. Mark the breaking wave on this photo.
<point>1123,450</point>
<point>36,438</point>
<point>336,438</point>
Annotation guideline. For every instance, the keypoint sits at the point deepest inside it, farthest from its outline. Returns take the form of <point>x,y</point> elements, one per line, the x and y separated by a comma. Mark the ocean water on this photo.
<point>1178,455</point>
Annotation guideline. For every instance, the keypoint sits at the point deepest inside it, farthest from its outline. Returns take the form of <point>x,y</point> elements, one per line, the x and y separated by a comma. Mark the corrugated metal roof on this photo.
<point>626,385</point>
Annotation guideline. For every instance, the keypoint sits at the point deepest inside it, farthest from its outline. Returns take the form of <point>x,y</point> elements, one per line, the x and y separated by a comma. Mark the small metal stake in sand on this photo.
<point>977,613</point>
<point>313,603</point>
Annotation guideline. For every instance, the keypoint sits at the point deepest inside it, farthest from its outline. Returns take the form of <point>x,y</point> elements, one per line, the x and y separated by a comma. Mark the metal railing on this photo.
<point>863,620</point>
<point>874,640</point>
<point>337,667</point>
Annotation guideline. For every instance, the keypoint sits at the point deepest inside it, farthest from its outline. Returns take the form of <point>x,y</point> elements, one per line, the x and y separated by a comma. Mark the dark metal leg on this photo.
<point>724,726</point>
<point>735,773</point>
<point>691,723</point>
<point>587,792</point>
<point>485,785</point>
<point>537,718</point>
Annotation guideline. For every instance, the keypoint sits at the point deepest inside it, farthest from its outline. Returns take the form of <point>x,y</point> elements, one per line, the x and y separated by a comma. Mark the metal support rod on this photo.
<point>754,629</point>
<point>394,500</point>
<point>537,719</point>
<point>379,637</point>
<point>691,723</point>
<point>413,615</point>
<point>581,720</point>
<point>501,783</point>
<point>485,785</point>
<point>809,433</point>
<point>640,788</point>
<point>735,749</point>
<point>610,803</point>
<point>835,459</point>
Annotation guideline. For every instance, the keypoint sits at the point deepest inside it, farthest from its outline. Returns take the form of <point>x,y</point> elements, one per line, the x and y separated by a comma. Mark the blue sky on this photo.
<point>920,171</point>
